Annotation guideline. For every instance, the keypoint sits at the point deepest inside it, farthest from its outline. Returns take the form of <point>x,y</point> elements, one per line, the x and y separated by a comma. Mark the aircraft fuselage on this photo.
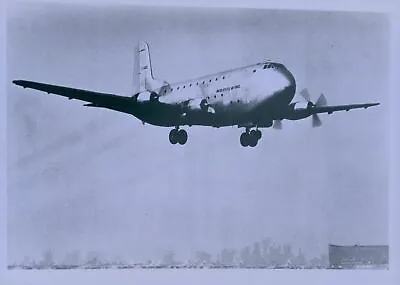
<point>248,96</point>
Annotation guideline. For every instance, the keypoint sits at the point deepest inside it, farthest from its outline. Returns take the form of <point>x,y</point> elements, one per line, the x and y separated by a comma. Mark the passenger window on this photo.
<point>254,70</point>
<point>223,77</point>
<point>190,85</point>
<point>177,88</point>
<point>216,79</point>
<point>183,86</point>
<point>204,82</point>
<point>210,80</point>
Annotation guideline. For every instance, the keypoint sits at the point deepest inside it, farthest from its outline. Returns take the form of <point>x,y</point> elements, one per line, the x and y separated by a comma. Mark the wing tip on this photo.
<point>22,83</point>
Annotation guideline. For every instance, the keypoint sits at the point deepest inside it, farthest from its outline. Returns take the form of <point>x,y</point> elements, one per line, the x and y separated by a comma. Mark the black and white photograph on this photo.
<point>172,137</point>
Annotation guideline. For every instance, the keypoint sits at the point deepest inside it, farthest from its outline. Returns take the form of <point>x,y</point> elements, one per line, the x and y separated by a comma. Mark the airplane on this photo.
<point>250,97</point>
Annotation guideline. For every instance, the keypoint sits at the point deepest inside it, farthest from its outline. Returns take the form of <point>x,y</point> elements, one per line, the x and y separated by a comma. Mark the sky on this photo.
<point>91,179</point>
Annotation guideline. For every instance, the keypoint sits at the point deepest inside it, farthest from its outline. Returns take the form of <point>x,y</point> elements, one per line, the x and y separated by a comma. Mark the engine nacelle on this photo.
<point>147,97</point>
<point>300,106</point>
<point>200,105</point>
<point>299,110</point>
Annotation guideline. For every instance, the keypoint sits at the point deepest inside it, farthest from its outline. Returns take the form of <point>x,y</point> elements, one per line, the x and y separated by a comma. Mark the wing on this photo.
<point>96,99</point>
<point>331,109</point>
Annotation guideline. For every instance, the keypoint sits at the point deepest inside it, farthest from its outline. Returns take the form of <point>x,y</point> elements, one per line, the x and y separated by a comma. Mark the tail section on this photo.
<point>143,74</point>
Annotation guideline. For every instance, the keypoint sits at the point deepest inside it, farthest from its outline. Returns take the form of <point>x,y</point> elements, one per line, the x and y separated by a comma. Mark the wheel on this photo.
<point>173,136</point>
<point>182,137</point>
<point>256,134</point>
<point>244,139</point>
<point>253,140</point>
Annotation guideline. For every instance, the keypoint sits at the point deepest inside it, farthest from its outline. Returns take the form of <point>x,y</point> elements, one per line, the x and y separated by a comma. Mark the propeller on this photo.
<point>316,121</point>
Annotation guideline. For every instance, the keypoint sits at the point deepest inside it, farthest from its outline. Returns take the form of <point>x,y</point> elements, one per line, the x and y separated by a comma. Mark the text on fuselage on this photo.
<point>228,88</point>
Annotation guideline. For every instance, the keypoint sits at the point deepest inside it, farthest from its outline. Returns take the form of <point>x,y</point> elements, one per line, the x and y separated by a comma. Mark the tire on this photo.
<point>244,139</point>
<point>173,136</point>
<point>253,140</point>
<point>255,134</point>
<point>182,137</point>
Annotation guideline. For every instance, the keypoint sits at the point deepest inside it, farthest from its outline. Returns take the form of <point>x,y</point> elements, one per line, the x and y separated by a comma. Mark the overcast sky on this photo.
<point>92,179</point>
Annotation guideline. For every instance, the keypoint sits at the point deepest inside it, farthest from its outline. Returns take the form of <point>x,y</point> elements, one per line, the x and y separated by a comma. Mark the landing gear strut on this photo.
<point>178,136</point>
<point>250,138</point>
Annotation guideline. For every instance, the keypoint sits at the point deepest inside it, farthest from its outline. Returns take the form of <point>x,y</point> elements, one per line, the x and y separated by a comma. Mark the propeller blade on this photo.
<point>277,125</point>
<point>316,122</point>
<point>304,93</point>
<point>321,101</point>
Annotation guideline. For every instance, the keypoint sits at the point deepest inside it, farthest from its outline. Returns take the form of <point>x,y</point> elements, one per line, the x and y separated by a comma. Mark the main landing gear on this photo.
<point>178,136</point>
<point>250,138</point>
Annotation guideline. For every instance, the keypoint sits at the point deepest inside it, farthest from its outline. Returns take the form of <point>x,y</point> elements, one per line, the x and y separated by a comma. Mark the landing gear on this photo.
<point>256,133</point>
<point>178,136</point>
<point>250,138</point>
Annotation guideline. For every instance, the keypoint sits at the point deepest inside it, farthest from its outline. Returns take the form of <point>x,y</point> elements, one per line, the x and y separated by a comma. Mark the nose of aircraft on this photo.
<point>288,75</point>
<point>290,90</point>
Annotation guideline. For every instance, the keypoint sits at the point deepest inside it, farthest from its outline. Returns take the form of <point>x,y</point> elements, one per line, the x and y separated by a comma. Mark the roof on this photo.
<point>206,77</point>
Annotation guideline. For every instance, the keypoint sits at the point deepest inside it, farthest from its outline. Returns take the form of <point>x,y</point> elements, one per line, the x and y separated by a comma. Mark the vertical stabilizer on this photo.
<point>143,74</point>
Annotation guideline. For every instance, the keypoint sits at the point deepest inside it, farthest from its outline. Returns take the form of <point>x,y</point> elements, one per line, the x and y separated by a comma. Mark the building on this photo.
<point>358,255</point>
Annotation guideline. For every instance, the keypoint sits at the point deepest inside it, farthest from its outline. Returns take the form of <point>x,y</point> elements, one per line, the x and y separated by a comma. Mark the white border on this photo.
<point>391,276</point>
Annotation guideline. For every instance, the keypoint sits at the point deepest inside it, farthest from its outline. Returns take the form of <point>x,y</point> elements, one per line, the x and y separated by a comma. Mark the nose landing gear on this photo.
<point>250,138</point>
<point>178,136</point>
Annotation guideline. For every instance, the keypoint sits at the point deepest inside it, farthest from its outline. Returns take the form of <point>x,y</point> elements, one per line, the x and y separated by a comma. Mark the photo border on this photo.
<point>226,276</point>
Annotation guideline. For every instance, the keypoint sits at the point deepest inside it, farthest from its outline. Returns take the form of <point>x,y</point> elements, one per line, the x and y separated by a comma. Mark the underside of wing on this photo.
<point>331,109</point>
<point>95,99</point>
